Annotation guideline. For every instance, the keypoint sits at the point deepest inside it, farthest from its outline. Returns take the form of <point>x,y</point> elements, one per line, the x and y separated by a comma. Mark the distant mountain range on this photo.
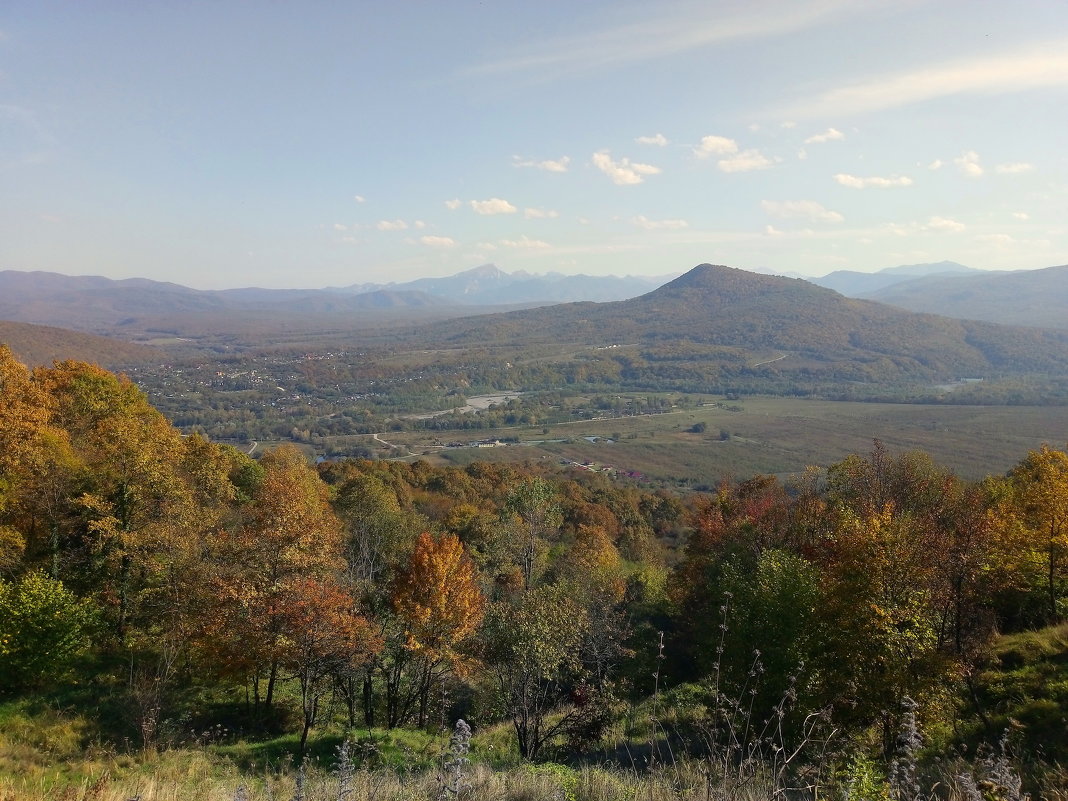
<point>1017,297</point>
<point>855,284</point>
<point>130,307</point>
<point>717,305</point>
<point>489,285</point>
<point>1020,297</point>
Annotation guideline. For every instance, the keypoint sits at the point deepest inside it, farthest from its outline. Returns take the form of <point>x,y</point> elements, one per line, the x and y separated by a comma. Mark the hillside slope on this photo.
<point>1021,297</point>
<point>35,345</point>
<point>814,328</point>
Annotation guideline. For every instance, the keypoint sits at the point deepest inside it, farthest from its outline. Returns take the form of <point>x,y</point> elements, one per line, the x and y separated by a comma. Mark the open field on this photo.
<point>767,435</point>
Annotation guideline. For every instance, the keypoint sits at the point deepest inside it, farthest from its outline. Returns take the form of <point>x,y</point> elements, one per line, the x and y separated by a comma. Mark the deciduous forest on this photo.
<point>180,620</point>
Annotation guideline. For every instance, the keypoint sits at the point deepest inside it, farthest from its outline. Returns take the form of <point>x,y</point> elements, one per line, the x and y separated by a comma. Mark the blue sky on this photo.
<point>284,144</point>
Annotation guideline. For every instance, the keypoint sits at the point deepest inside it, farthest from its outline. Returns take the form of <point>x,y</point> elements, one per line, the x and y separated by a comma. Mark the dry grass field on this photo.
<point>768,435</point>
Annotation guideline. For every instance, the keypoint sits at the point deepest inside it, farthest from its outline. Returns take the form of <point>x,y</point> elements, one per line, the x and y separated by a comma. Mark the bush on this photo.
<point>43,627</point>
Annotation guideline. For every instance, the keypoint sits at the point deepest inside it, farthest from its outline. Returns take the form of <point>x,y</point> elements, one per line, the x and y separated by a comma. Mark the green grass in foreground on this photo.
<point>1024,688</point>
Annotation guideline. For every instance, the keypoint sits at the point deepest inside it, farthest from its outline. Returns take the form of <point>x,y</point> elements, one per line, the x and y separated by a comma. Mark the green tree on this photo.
<point>43,628</point>
<point>535,506</point>
<point>533,651</point>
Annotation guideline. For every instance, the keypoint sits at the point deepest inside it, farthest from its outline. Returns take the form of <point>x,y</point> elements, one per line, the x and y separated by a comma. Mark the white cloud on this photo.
<point>359,198</point>
<point>524,242</point>
<point>744,162</point>
<point>855,182</point>
<point>935,165</point>
<point>541,214</point>
<point>391,225</point>
<point>788,124</point>
<point>800,209</point>
<point>560,165</point>
<point>656,139</point>
<point>944,224</point>
<point>623,172</point>
<point>488,247</point>
<point>771,230</point>
<point>438,241</point>
<point>653,225</point>
<point>1034,66</point>
<point>1014,169</point>
<point>998,240</point>
<point>830,135</point>
<point>715,146</point>
<point>453,204</point>
<point>494,205</point>
<point>340,227</point>
<point>968,163</point>
<point>419,224</point>
<point>1021,215</point>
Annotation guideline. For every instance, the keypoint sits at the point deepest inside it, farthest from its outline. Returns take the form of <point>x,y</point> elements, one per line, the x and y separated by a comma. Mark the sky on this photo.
<point>282,144</point>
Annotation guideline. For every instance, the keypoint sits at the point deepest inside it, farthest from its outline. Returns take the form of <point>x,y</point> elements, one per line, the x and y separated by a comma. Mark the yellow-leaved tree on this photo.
<point>438,598</point>
<point>1040,495</point>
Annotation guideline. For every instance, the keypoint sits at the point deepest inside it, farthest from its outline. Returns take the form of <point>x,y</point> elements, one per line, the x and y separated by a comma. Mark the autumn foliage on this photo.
<point>179,576</point>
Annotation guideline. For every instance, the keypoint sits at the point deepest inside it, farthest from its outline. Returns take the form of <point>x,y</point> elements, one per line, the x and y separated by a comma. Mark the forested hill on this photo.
<point>41,345</point>
<point>815,328</point>
<point>1020,297</point>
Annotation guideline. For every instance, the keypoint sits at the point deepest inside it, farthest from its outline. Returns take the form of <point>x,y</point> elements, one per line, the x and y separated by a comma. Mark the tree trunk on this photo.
<point>270,686</point>
<point>368,699</point>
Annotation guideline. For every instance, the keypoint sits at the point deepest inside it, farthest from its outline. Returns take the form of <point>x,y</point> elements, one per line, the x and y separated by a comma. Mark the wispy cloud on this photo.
<point>745,161</point>
<point>656,139</point>
<point>623,172</point>
<point>968,163</point>
<point>454,204</point>
<point>855,182</point>
<point>359,198</point>
<point>1036,66</point>
<point>654,225</point>
<point>830,135</point>
<point>1014,169</point>
<point>944,224</point>
<point>660,34</point>
<point>438,241</point>
<point>997,240</point>
<point>540,214</point>
<point>800,209</point>
<point>525,243</point>
<point>548,165</point>
<point>391,225</point>
<point>715,146</point>
<point>494,205</point>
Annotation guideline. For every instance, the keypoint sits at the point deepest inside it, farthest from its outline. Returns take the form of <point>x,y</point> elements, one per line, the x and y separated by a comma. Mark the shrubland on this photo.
<point>179,620</point>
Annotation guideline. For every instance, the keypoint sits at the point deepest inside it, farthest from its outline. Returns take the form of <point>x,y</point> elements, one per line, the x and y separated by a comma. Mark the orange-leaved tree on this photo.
<point>289,532</point>
<point>323,635</point>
